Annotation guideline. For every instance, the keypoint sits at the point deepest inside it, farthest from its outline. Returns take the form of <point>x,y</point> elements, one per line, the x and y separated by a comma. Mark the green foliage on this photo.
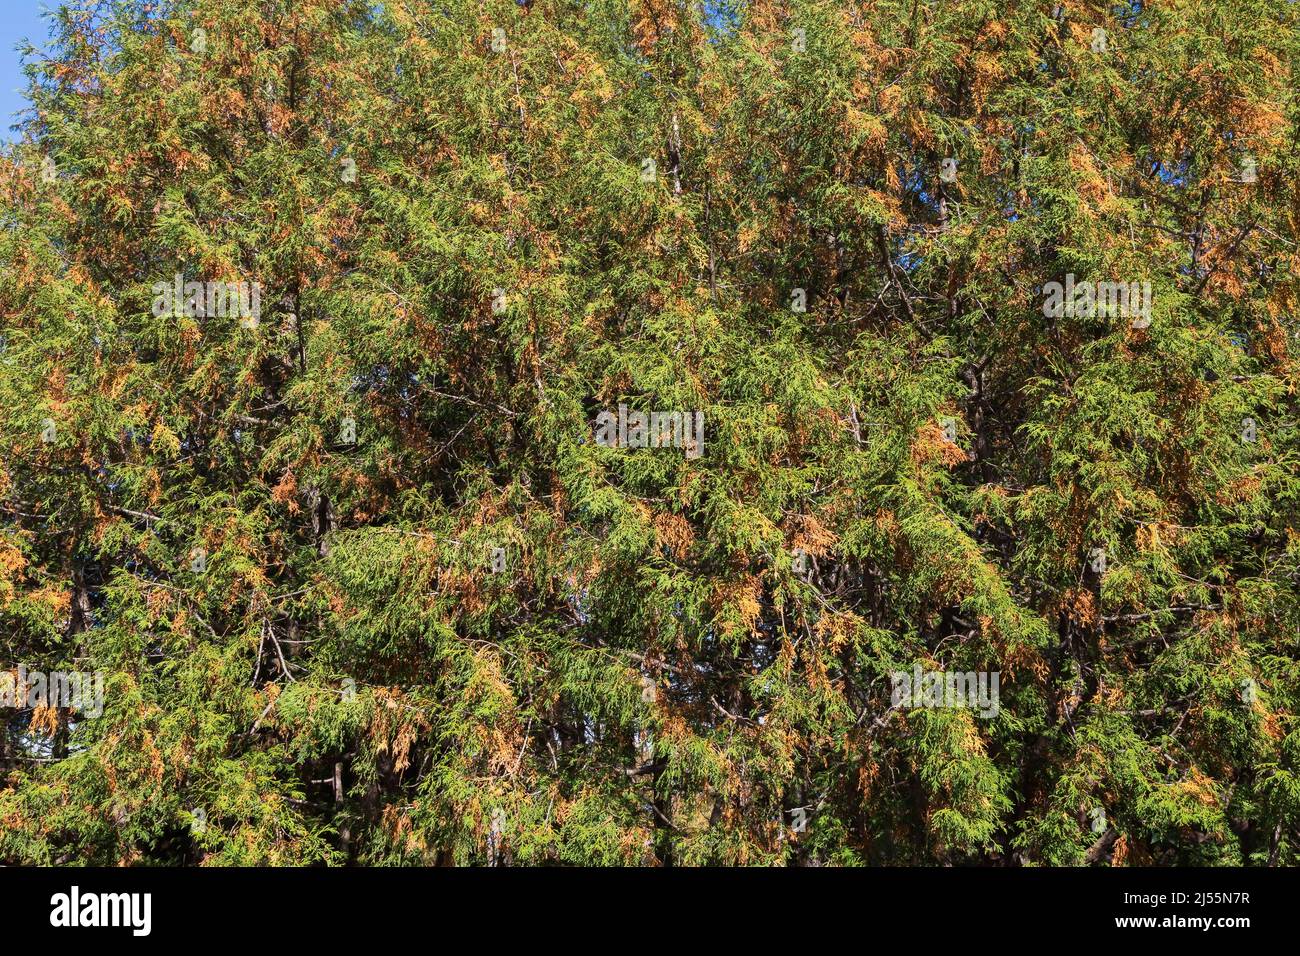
<point>364,587</point>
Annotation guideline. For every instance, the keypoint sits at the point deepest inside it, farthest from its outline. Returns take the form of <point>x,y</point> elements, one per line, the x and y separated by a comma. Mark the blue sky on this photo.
<point>19,19</point>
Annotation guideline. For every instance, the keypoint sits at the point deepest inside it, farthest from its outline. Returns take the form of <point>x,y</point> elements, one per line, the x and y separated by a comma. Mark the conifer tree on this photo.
<point>327,326</point>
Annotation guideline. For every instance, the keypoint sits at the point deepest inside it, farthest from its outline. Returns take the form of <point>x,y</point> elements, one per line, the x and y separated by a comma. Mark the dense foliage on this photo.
<point>364,588</point>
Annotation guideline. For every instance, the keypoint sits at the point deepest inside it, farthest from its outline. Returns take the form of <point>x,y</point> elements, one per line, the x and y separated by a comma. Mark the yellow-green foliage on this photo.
<point>468,245</point>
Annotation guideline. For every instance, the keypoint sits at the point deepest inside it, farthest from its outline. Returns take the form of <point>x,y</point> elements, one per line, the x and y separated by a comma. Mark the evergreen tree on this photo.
<point>367,584</point>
